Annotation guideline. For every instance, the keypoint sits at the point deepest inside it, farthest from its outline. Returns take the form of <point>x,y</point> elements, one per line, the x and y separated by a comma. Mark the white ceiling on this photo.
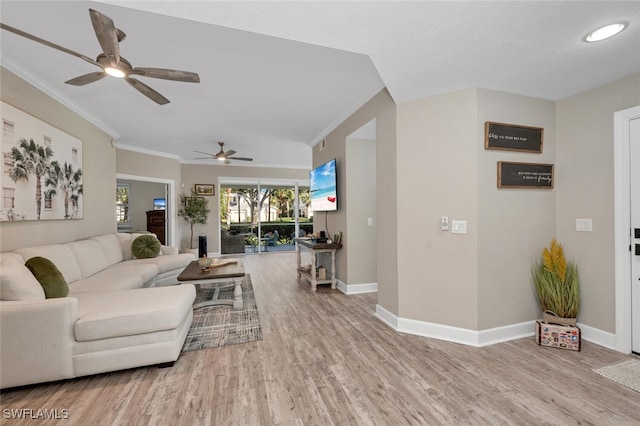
<point>278,76</point>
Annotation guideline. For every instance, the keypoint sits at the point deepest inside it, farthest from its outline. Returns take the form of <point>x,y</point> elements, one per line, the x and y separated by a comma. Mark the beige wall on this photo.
<point>361,193</point>
<point>585,190</point>
<point>437,176</point>
<point>381,108</point>
<point>480,279</point>
<point>98,167</point>
<point>513,224</point>
<point>211,174</point>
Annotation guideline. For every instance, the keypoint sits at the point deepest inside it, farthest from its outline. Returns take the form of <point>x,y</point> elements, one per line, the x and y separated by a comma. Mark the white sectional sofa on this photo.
<point>121,312</point>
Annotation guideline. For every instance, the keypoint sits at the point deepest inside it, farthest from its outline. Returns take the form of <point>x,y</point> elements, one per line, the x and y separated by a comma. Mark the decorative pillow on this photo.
<point>49,277</point>
<point>18,283</point>
<point>145,246</point>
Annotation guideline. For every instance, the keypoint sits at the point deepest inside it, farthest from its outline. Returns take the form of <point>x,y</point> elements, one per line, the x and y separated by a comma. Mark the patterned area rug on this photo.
<point>626,373</point>
<point>216,326</point>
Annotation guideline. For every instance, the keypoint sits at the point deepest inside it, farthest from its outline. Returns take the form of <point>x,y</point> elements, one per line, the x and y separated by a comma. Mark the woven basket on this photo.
<point>552,318</point>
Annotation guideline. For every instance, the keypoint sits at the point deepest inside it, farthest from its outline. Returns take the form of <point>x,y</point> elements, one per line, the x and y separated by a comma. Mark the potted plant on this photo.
<point>557,286</point>
<point>194,210</point>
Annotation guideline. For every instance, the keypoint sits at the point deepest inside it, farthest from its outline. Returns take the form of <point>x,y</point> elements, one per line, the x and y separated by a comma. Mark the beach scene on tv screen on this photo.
<point>323,187</point>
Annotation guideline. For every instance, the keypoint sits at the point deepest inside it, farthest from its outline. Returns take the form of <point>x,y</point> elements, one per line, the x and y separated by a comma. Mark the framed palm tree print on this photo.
<point>41,169</point>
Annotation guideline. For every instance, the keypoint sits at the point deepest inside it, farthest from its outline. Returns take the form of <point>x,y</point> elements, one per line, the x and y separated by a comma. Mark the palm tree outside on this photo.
<point>31,159</point>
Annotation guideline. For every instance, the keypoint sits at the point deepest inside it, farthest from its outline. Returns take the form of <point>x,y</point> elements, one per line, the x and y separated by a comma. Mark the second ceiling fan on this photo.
<point>110,61</point>
<point>222,156</point>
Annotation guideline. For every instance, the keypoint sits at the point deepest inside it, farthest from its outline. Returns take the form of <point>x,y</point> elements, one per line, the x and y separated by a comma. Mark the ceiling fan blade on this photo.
<point>87,78</point>
<point>204,158</point>
<point>48,43</point>
<point>206,153</point>
<point>147,91</point>
<point>240,158</point>
<point>167,74</point>
<point>229,153</point>
<point>107,35</point>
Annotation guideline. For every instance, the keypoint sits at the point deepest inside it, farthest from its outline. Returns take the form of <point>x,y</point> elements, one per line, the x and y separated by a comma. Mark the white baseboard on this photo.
<point>597,336</point>
<point>357,288</point>
<point>485,337</point>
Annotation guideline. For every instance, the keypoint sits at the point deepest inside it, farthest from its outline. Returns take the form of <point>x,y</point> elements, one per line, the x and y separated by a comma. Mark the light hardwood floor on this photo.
<point>325,359</point>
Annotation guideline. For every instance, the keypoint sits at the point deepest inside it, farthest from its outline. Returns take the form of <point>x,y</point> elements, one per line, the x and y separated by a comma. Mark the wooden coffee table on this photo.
<point>229,274</point>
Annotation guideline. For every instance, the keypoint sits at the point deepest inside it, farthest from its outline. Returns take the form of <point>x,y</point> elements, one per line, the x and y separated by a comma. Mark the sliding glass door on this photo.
<point>257,218</point>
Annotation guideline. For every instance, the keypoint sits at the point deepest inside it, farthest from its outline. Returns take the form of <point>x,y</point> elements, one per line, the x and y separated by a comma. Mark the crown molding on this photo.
<point>50,91</point>
<point>126,147</point>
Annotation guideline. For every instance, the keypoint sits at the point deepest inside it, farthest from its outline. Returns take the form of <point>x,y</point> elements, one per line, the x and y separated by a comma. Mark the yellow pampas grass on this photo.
<point>556,282</point>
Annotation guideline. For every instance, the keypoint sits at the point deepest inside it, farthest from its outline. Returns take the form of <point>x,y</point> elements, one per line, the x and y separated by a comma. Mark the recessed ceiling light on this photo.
<point>605,32</point>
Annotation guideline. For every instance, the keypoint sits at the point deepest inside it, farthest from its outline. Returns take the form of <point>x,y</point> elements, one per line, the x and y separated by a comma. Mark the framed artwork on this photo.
<point>42,174</point>
<point>525,175</point>
<point>512,137</point>
<point>204,189</point>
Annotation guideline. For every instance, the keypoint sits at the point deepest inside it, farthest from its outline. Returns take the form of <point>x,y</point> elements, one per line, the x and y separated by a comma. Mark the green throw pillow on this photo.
<point>145,246</point>
<point>49,277</point>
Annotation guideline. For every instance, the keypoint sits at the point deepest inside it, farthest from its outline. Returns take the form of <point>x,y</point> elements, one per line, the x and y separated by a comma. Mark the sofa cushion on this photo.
<point>60,254</point>
<point>105,315</point>
<point>117,277</point>
<point>49,276</point>
<point>90,256</point>
<point>111,247</point>
<point>166,263</point>
<point>17,282</point>
<point>145,247</point>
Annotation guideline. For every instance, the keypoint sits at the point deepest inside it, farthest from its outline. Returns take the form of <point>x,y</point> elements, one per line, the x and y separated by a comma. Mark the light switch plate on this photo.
<point>444,223</point>
<point>584,225</point>
<point>459,226</point>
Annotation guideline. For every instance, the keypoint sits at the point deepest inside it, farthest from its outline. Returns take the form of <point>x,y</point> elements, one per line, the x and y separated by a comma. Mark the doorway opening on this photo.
<point>626,284</point>
<point>146,204</point>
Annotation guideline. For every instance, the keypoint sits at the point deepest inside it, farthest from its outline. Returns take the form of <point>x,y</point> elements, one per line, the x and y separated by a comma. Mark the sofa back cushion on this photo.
<point>17,282</point>
<point>111,246</point>
<point>125,242</point>
<point>61,256</point>
<point>90,256</point>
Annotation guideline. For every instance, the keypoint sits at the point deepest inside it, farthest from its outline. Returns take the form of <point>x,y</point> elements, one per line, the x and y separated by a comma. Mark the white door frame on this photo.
<point>622,236</point>
<point>171,204</point>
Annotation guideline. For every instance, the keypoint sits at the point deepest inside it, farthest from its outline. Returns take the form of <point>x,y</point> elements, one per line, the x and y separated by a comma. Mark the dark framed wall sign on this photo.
<point>511,137</point>
<point>525,175</point>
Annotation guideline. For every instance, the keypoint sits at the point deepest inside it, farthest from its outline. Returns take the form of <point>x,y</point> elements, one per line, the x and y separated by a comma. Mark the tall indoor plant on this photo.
<point>557,285</point>
<point>194,210</point>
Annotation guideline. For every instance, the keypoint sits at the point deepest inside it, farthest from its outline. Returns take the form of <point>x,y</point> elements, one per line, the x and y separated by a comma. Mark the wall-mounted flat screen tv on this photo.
<point>322,185</point>
<point>159,204</point>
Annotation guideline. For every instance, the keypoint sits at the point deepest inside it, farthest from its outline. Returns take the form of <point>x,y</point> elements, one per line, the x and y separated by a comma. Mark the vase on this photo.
<point>552,318</point>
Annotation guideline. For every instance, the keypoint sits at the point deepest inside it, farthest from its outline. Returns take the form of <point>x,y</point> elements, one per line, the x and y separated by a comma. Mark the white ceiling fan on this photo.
<point>222,156</point>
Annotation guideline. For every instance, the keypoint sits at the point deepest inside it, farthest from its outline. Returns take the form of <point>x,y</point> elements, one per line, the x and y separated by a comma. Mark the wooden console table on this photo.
<point>309,273</point>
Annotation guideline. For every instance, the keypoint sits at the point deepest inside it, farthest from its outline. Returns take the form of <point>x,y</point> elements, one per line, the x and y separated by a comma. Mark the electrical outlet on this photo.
<point>444,223</point>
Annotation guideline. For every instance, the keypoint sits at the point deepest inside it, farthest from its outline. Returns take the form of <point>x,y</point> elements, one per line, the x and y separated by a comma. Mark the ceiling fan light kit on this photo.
<point>111,62</point>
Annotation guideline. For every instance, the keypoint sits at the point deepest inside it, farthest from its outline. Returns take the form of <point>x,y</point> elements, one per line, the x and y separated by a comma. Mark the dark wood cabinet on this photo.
<point>156,223</point>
